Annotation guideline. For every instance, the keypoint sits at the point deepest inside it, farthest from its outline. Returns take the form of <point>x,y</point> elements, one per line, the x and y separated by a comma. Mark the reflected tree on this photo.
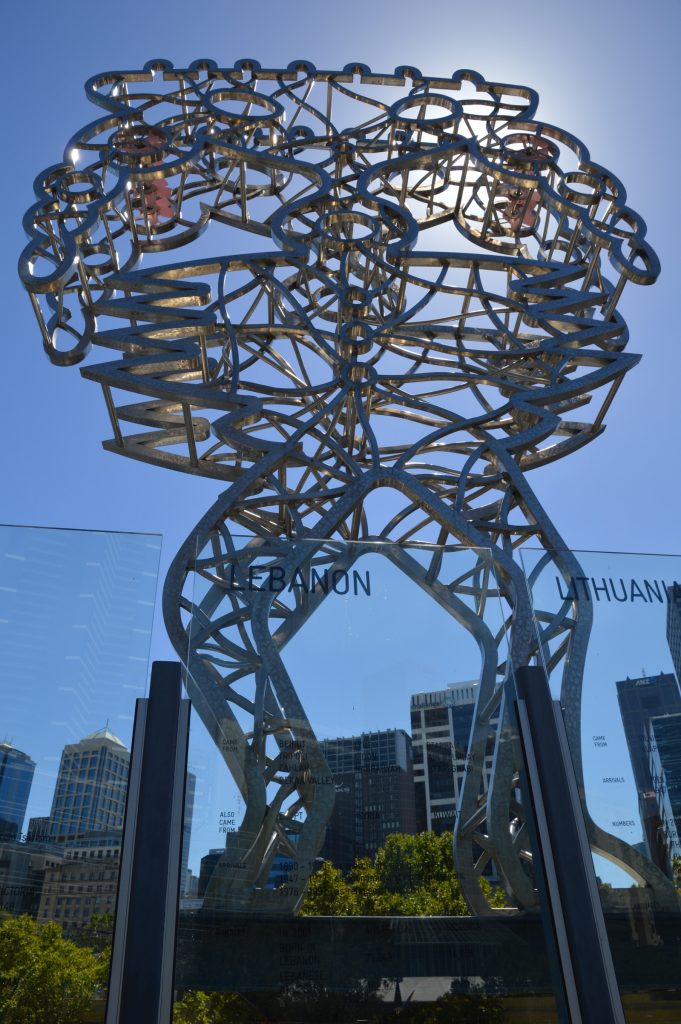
<point>410,876</point>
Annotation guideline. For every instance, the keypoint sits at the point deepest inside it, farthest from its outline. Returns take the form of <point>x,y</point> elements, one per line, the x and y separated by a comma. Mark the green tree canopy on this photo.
<point>97,934</point>
<point>213,1008</point>
<point>411,875</point>
<point>455,1008</point>
<point>44,978</point>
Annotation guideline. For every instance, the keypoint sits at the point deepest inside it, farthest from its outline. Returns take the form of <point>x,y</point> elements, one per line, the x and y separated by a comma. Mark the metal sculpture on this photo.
<point>435,308</point>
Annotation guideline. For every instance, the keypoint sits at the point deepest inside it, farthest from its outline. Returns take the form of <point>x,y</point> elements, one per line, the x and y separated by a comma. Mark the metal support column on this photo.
<point>591,990</point>
<point>141,983</point>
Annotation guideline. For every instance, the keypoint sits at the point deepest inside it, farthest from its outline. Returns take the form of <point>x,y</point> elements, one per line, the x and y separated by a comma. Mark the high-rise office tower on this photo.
<point>90,792</point>
<point>674,627</point>
<point>664,745</point>
<point>189,795</point>
<point>440,729</point>
<point>16,776</point>
<point>38,830</point>
<point>640,700</point>
<point>374,783</point>
<point>209,862</point>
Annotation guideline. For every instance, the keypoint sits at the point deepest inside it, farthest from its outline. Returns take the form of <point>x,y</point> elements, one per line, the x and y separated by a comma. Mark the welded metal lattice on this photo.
<point>434,311</point>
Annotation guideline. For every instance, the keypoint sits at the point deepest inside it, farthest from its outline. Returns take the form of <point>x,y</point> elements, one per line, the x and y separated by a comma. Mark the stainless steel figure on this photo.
<point>392,281</point>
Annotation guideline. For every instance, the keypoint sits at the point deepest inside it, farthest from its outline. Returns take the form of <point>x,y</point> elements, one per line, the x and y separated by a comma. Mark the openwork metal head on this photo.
<point>443,286</point>
<point>393,281</point>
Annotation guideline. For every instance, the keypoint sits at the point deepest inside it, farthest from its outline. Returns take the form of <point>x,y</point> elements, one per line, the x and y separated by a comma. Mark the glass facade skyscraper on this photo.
<point>674,626</point>
<point>16,776</point>
<point>641,700</point>
<point>665,769</point>
<point>189,795</point>
<point>374,793</point>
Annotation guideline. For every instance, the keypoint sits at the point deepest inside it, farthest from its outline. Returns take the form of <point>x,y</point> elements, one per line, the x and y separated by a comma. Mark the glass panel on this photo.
<point>349,717</point>
<point>610,629</point>
<point>76,611</point>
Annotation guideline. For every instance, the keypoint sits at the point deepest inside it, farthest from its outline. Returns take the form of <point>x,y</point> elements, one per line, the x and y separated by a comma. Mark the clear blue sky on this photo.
<point>605,72</point>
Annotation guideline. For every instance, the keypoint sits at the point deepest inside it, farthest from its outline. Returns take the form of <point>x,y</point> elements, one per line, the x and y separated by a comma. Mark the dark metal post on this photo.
<point>141,982</point>
<point>583,949</point>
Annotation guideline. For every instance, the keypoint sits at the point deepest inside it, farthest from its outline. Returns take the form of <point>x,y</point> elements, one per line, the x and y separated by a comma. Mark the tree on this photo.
<point>676,870</point>
<point>44,978</point>
<point>495,896</point>
<point>418,870</point>
<point>213,1008</point>
<point>406,863</point>
<point>328,894</point>
<point>463,1008</point>
<point>97,934</point>
<point>411,875</point>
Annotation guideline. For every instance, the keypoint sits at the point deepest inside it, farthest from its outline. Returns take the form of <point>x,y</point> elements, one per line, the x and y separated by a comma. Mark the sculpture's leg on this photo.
<point>490,823</point>
<point>212,682</point>
<point>568,628</point>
